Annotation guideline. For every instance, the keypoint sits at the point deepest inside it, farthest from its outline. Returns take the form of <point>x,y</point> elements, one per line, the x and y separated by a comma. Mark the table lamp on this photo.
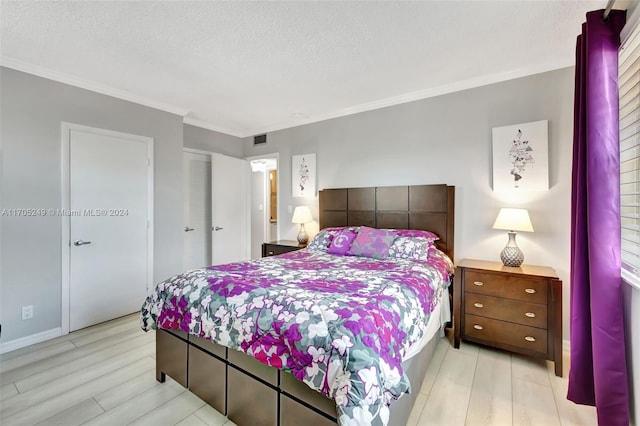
<point>513,220</point>
<point>302,215</point>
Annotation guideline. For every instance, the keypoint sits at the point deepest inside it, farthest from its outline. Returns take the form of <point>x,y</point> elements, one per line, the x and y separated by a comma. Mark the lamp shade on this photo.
<point>302,214</point>
<point>513,220</point>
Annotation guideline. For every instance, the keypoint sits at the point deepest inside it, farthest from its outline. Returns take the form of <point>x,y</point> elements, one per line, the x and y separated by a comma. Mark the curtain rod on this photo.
<point>607,9</point>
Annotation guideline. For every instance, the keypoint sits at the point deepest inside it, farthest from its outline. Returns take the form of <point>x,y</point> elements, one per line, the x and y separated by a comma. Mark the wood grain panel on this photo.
<point>207,378</point>
<point>208,345</point>
<point>504,334</point>
<point>294,414</point>
<point>392,220</point>
<point>392,198</point>
<point>171,357</point>
<point>296,388</point>
<point>178,333</point>
<point>334,199</point>
<point>361,218</point>
<point>428,198</point>
<point>331,219</point>
<point>434,222</point>
<point>250,402</point>
<point>530,314</point>
<point>507,286</point>
<point>253,366</point>
<point>361,198</point>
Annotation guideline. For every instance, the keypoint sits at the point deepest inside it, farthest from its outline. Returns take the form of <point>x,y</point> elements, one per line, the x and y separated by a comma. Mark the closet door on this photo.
<point>229,204</point>
<point>197,210</point>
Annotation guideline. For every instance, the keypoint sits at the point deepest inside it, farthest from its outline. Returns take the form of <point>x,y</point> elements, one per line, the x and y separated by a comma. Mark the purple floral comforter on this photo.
<point>340,324</point>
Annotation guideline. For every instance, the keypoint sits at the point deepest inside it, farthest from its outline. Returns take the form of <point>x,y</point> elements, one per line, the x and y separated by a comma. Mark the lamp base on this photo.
<point>511,255</point>
<point>303,237</point>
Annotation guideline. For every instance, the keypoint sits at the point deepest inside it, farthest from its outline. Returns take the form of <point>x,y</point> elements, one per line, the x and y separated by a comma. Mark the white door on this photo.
<point>229,218</point>
<point>197,210</point>
<point>108,199</point>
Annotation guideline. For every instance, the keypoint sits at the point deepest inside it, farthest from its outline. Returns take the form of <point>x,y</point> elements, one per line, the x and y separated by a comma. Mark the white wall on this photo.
<point>447,139</point>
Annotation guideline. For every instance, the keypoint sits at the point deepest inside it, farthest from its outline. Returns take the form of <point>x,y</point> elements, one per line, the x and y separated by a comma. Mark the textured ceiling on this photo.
<point>249,67</point>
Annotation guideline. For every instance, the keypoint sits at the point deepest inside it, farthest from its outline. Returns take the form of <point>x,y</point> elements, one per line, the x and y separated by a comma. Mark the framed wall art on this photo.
<point>303,175</point>
<point>521,157</point>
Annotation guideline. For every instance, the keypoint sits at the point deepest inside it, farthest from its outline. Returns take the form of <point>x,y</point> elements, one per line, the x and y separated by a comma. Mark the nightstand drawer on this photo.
<point>272,249</point>
<point>493,331</point>
<point>530,314</point>
<point>506,286</point>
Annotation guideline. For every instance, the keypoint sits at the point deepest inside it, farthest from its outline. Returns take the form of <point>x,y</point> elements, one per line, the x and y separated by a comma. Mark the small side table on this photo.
<point>516,309</point>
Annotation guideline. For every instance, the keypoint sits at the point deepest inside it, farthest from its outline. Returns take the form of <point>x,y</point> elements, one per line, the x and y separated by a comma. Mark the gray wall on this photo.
<point>32,110</point>
<point>447,139</point>
<point>208,140</point>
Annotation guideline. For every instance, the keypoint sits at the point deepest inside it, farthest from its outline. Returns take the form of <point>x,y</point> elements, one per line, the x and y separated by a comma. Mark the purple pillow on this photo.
<point>323,239</point>
<point>342,242</point>
<point>372,242</point>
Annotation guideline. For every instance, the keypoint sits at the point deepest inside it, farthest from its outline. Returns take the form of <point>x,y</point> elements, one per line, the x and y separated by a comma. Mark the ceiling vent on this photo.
<point>260,139</point>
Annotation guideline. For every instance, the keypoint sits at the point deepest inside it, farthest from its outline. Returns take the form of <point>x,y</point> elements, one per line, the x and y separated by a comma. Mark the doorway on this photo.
<point>107,224</point>
<point>264,203</point>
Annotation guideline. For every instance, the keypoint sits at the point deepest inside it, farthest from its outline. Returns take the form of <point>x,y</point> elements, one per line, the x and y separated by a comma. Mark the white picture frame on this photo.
<point>521,157</point>
<point>303,175</point>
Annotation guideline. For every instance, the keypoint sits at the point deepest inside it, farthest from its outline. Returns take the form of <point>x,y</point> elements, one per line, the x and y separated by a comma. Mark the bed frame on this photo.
<point>250,393</point>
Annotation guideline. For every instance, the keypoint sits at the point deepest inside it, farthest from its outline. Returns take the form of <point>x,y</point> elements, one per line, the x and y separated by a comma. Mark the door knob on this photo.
<point>187,229</point>
<point>217,228</point>
<point>80,242</point>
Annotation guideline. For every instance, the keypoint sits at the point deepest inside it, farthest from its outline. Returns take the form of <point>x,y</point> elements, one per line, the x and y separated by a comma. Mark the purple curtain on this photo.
<point>598,374</point>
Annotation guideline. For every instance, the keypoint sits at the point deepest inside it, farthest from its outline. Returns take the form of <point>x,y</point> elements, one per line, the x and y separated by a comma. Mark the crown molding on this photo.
<point>60,77</point>
<point>422,94</point>
<point>369,106</point>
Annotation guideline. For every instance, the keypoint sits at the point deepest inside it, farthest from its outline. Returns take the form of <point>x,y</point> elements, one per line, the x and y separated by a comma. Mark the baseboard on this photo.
<point>12,345</point>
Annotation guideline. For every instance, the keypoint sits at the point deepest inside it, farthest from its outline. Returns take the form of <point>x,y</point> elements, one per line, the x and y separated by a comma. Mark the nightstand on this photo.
<point>516,309</point>
<point>279,247</point>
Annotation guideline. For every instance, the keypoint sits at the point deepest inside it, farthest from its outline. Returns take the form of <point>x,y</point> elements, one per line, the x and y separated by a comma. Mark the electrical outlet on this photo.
<point>27,312</point>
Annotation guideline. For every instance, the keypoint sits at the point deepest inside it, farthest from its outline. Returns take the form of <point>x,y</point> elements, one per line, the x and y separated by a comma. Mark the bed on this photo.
<point>290,314</point>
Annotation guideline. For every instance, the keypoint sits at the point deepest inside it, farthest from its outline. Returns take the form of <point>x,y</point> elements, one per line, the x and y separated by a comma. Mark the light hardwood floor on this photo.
<point>105,375</point>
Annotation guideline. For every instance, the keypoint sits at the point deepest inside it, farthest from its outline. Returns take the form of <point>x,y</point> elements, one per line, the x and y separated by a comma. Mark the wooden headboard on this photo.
<point>426,207</point>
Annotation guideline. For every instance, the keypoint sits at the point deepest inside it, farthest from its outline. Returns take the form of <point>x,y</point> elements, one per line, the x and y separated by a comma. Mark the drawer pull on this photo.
<point>478,283</point>
<point>478,305</point>
<point>478,327</point>
<point>529,338</point>
<point>529,290</point>
<point>270,253</point>
<point>530,314</point>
